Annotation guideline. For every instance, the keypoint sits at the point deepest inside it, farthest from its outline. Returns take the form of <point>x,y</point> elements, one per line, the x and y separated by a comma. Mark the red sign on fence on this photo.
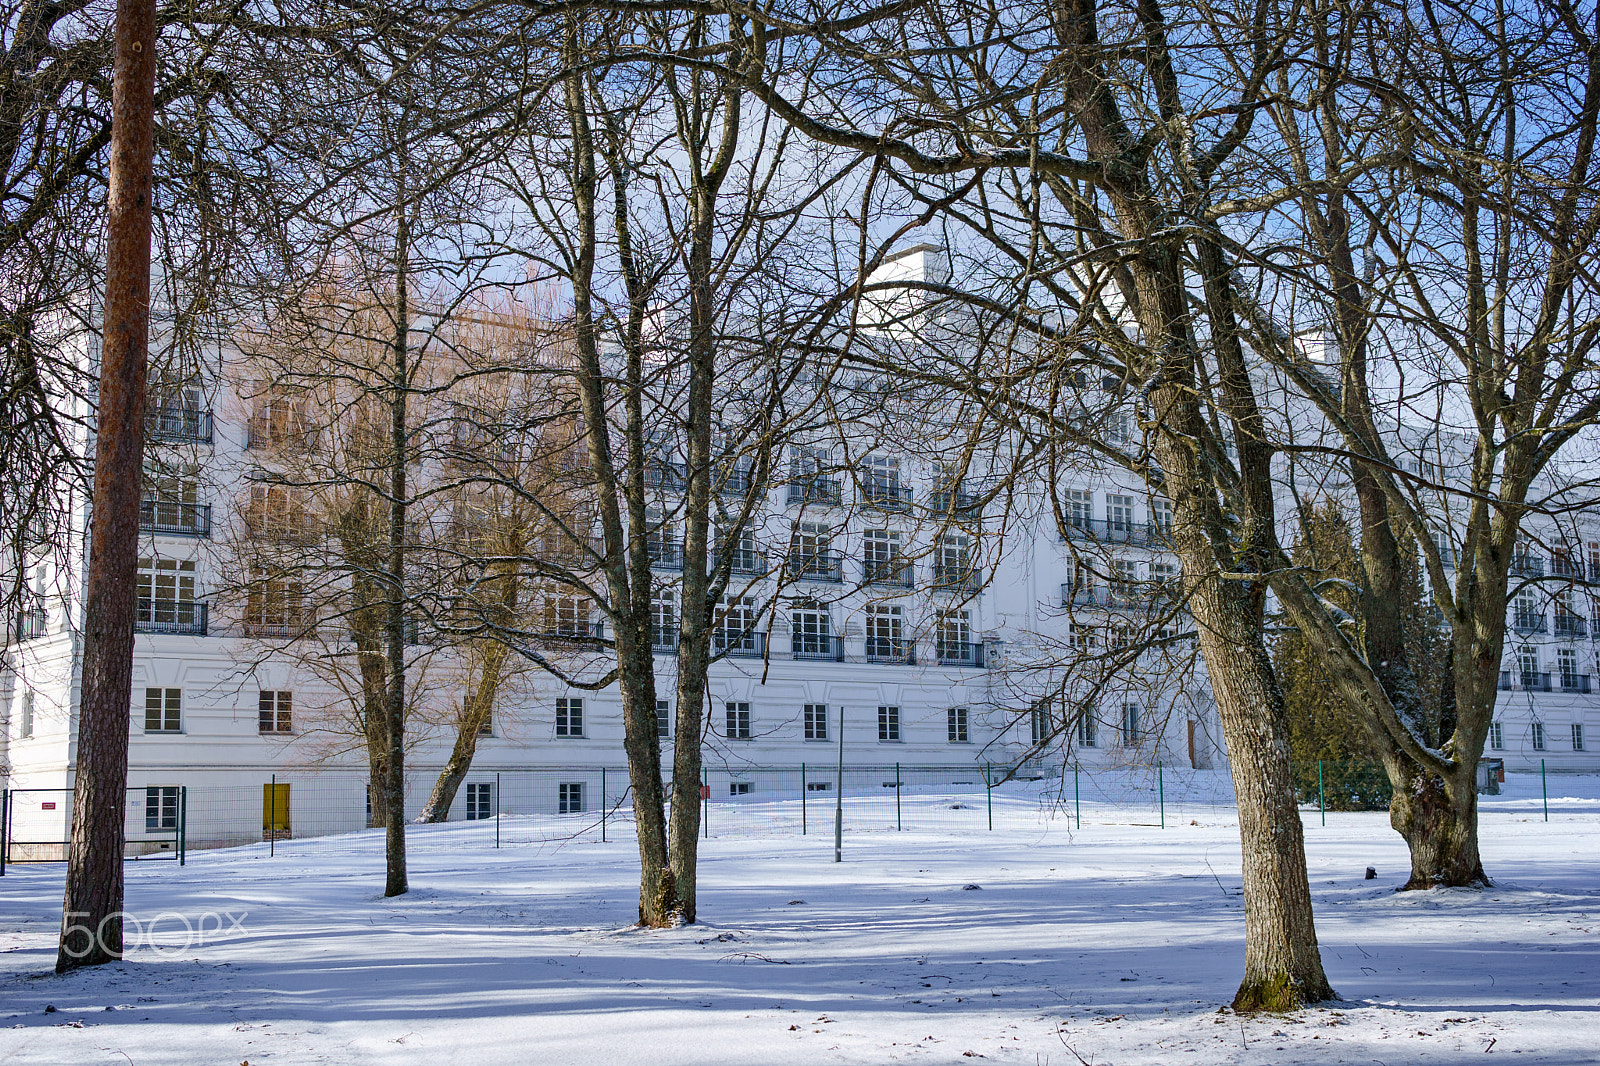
<point>48,805</point>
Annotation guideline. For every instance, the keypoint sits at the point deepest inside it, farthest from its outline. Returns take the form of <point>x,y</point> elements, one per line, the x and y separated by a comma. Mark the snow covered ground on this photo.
<point>1112,944</point>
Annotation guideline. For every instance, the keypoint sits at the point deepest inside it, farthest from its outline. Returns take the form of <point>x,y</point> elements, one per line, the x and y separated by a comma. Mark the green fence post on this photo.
<point>602,804</point>
<point>705,801</point>
<point>183,825</point>
<point>838,797</point>
<point>1077,795</point>
<point>1544,788</point>
<point>497,808</point>
<point>802,799</point>
<point>897,825</point>
<point>988,794</point>
<point>1161,794</point>
<point>5,829</point>
<point>1322,799</point>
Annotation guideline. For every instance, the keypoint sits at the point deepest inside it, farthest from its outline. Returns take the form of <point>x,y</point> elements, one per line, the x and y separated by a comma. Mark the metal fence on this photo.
<point>36,824</point>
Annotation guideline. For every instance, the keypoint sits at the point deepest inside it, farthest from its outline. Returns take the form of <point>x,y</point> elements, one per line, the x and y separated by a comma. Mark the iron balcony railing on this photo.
<point>1526,681</point>
<point>816,647</point>
<point>177,424</point>
<point>959,504</point>
<point>822,565</point>
<point>1527,566</point>
<point>886,495</point>
<point>894,572</point>
<point>812,488</point>
<point>745,561</point>
<point>897,650</point>
<point>1578,683</point>
<point>665,554</point>
<point>574,631</point>
<point>178,617</point>
<point>31,624</point>
<point>957,577</point>
<point>734,481</point>
<point>1571,625</point>
<point>175,519</point>
<point>1565,566</point>
<point>1528,622</point>
<point>1117,531</point>
<point>958,653</point>
<point>659,475</point>
<point>664,639</point>
<point>739,644</point>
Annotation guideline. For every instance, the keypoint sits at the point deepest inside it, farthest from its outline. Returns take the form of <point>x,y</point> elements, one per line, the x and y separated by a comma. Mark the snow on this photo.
<point>1110,944</point>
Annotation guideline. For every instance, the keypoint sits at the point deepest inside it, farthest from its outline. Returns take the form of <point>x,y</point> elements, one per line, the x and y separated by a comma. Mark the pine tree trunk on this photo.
<point>91,923</point>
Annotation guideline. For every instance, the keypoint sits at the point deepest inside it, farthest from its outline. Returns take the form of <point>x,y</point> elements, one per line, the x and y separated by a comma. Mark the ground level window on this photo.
<point>739,788</point>
<point>956,725</point>
<point>1497,736</point>
<point>888,723</point>
<point>161,808</point>
<point>480,800</point>
<point>819,786</point>
<point>569,800</point>
<point>1577,737</point>
<point>1537,732</point>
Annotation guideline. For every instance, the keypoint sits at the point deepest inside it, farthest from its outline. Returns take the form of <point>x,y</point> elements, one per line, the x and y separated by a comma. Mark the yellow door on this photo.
<point>275,809</point>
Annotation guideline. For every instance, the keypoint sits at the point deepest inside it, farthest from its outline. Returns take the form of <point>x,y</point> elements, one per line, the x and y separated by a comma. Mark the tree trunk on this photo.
<point>475,714</point>
<point>91,923</point>
<point>1437,814</point>
<point>395,706</point>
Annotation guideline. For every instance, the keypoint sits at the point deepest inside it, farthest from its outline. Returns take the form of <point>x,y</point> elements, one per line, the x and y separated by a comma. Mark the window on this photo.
<point>1526,614</point>
<point>1119,426</point>
<point>1124,585</point>
<point>171,497</point>
<point>279,420</point>
<point>819,786</point>
<point>811,634</point>
<point>1497,736</point>
<point>1039,726</point>
<point>1130,725</point>
<point>1088,729</point>
<point>1164,576</point>
<point>1080,638</point>
<point>26,725</point>
<point>807,485</point>
<point>739,788</point>
<point>1083,588</point>
<point>569,716</point>
<point>735,629</point>
<point>1079,509</point>
<point>738,720</point>
<point>1536,731</point>
<point>163,710</point>
<point>664,620</point>
<point>480,800</point>
<point>811,555</point>
<point>277,513</point>
<point>166,594</point>
<point>880,482</point>
<point>566,616</point>
<point>952,568</point>
<point>889,724</point>
<point>816,721</point>
<point>161,808</point>
<point>569,797</point>
<point>880,559</point>
<point>1567,662</point>
<point>1577,736</point>
<point>1528,666</point>
<point>663,719</point>
<point>954,639</point>
<point>1161,517</point>
<point>886,642</point>
<point>274,608</point>
<point>276,712</point>
<point>956,723</point>
<point>1119,514</point>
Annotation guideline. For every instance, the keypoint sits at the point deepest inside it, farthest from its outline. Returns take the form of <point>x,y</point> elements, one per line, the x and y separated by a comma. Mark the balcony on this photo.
<point>1527,566</point>
<point>820,565</point>
<point>1571,625</point>
<point>664,554</point>
<point>817,647</point>
<point>289,435</point>
<point>171,617</point>
<point>896,650</point>
<point>1529,622</point>
<point>734,481</point>
<point>739,644</point>
<point>30,625</point>
<point>1117,531</point>
<point>175,519</point>
<point>1576,683</point>
<point>958,653</point>
<point>893,572</point>
<point>744,561</point>
<point>812,488</point>
<point>958,504</point>
<point>660,475</point>
<point>1534,682</point>
<point>177,424</point>
<point>957,577</point>
<point>886,495</point>
<point>1566,566</point>
<point>664,639</point>
<point>574,631</point>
